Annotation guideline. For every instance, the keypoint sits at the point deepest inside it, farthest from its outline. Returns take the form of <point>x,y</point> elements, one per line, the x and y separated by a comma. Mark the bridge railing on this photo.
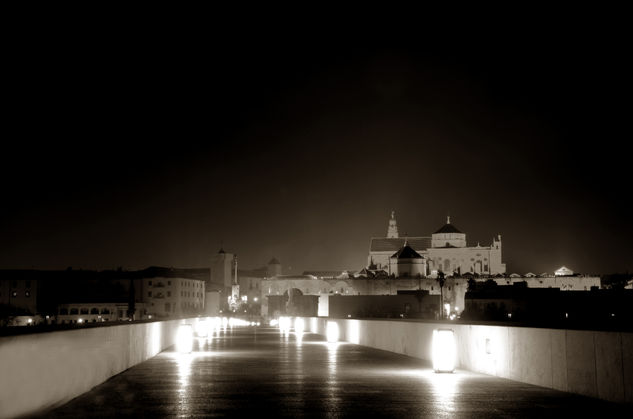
<point>592,363</point>
<point>43,370</point>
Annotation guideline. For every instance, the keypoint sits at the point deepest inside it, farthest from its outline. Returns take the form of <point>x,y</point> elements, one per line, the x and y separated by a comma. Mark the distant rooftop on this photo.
<point>448,228</point>
<point>407,253</point>
<point>385,244</point>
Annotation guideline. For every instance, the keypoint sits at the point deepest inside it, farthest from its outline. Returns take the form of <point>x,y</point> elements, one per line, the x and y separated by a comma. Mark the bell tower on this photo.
<point>392,231</point>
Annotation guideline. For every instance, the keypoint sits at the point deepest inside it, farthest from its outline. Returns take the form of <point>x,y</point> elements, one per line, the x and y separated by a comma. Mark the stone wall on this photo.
<point>590,363</point>
<point>43,370</point>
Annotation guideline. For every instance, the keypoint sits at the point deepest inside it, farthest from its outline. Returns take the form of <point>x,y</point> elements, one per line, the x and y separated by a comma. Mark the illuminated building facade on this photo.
<point>173,297</point>
<point>446,250</point>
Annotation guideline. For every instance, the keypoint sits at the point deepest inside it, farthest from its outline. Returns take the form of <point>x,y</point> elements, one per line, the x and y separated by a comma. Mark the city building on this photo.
<point>410,264</point>
<point>563,271</point>
<point>18,291</point>
<point>518,302</point>
<point>78,313</point>
<point>445,250</point>
<point>240,287</point>
<point>173,296</point>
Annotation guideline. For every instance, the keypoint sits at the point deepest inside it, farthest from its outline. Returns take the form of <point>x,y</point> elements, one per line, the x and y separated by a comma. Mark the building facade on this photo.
<point>19,292</point>
<point>173,297</point>
<point>445,250</point>
<point>78,313</point>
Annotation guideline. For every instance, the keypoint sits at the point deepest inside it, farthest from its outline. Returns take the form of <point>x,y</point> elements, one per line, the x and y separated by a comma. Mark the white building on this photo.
<point>563,271</point>
<point>173,297</point>
<point>446,250</point>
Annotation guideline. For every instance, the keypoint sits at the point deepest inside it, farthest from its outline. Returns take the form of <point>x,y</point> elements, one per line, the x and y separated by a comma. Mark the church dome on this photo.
<point>448,228</point>
<point>448,236</point>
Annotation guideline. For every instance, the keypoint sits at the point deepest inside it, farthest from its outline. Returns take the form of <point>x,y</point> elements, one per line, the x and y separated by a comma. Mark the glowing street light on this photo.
<point>184,338</point>
<point>443,350</point>
<point>299,326</point>
<point>332,332</point>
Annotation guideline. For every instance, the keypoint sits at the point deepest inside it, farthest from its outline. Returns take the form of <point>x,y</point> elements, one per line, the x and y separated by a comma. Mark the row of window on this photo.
<point>83,310</point>
<point>182,294</point>
<point>184,284</point>
<point>160,284</point>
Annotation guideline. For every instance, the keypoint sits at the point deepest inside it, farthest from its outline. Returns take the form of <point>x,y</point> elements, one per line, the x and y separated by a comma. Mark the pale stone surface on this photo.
<point>259,373</point>
<point>45,369</point>
<point>627,365</point>
<point>609,379</point>
<point>531,353</point>
<point>559,359</point>
<point>581,362</point>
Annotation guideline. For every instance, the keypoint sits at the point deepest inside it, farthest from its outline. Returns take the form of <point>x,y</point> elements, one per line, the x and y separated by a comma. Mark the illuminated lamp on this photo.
<point>284,324</point>
<point>332,332</point>
<point>443,350</point>
<point>299,326</point>
<point>184,338</point>
<point>202,328</point>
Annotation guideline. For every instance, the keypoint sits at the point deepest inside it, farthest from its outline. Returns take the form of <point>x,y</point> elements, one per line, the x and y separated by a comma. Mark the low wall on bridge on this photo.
<point>42,370</point>
<point>590,363</point>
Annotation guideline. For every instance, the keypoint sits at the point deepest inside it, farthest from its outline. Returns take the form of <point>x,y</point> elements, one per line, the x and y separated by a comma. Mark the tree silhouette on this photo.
<point>441,280</point>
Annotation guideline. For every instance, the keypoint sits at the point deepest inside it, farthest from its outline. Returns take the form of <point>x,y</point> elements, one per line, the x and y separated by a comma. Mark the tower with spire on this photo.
<point>392,230</point>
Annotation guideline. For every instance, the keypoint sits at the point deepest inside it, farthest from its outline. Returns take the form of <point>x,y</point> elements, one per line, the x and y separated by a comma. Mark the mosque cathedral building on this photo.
<point>445,250</point>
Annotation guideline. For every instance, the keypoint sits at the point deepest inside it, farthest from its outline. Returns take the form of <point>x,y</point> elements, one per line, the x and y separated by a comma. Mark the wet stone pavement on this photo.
<point>257,372</point>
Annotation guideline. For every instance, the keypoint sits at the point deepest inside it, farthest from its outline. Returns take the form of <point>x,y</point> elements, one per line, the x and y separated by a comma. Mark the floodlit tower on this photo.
<point>392,231</point>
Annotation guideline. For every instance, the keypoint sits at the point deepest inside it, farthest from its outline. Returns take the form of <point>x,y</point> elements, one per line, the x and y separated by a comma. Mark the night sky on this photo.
<point>159,149</point>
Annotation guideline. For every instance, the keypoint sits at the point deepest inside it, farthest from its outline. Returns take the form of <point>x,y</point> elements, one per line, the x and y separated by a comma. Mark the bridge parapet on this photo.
<point>592,363</point>
<point>43,370</point>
